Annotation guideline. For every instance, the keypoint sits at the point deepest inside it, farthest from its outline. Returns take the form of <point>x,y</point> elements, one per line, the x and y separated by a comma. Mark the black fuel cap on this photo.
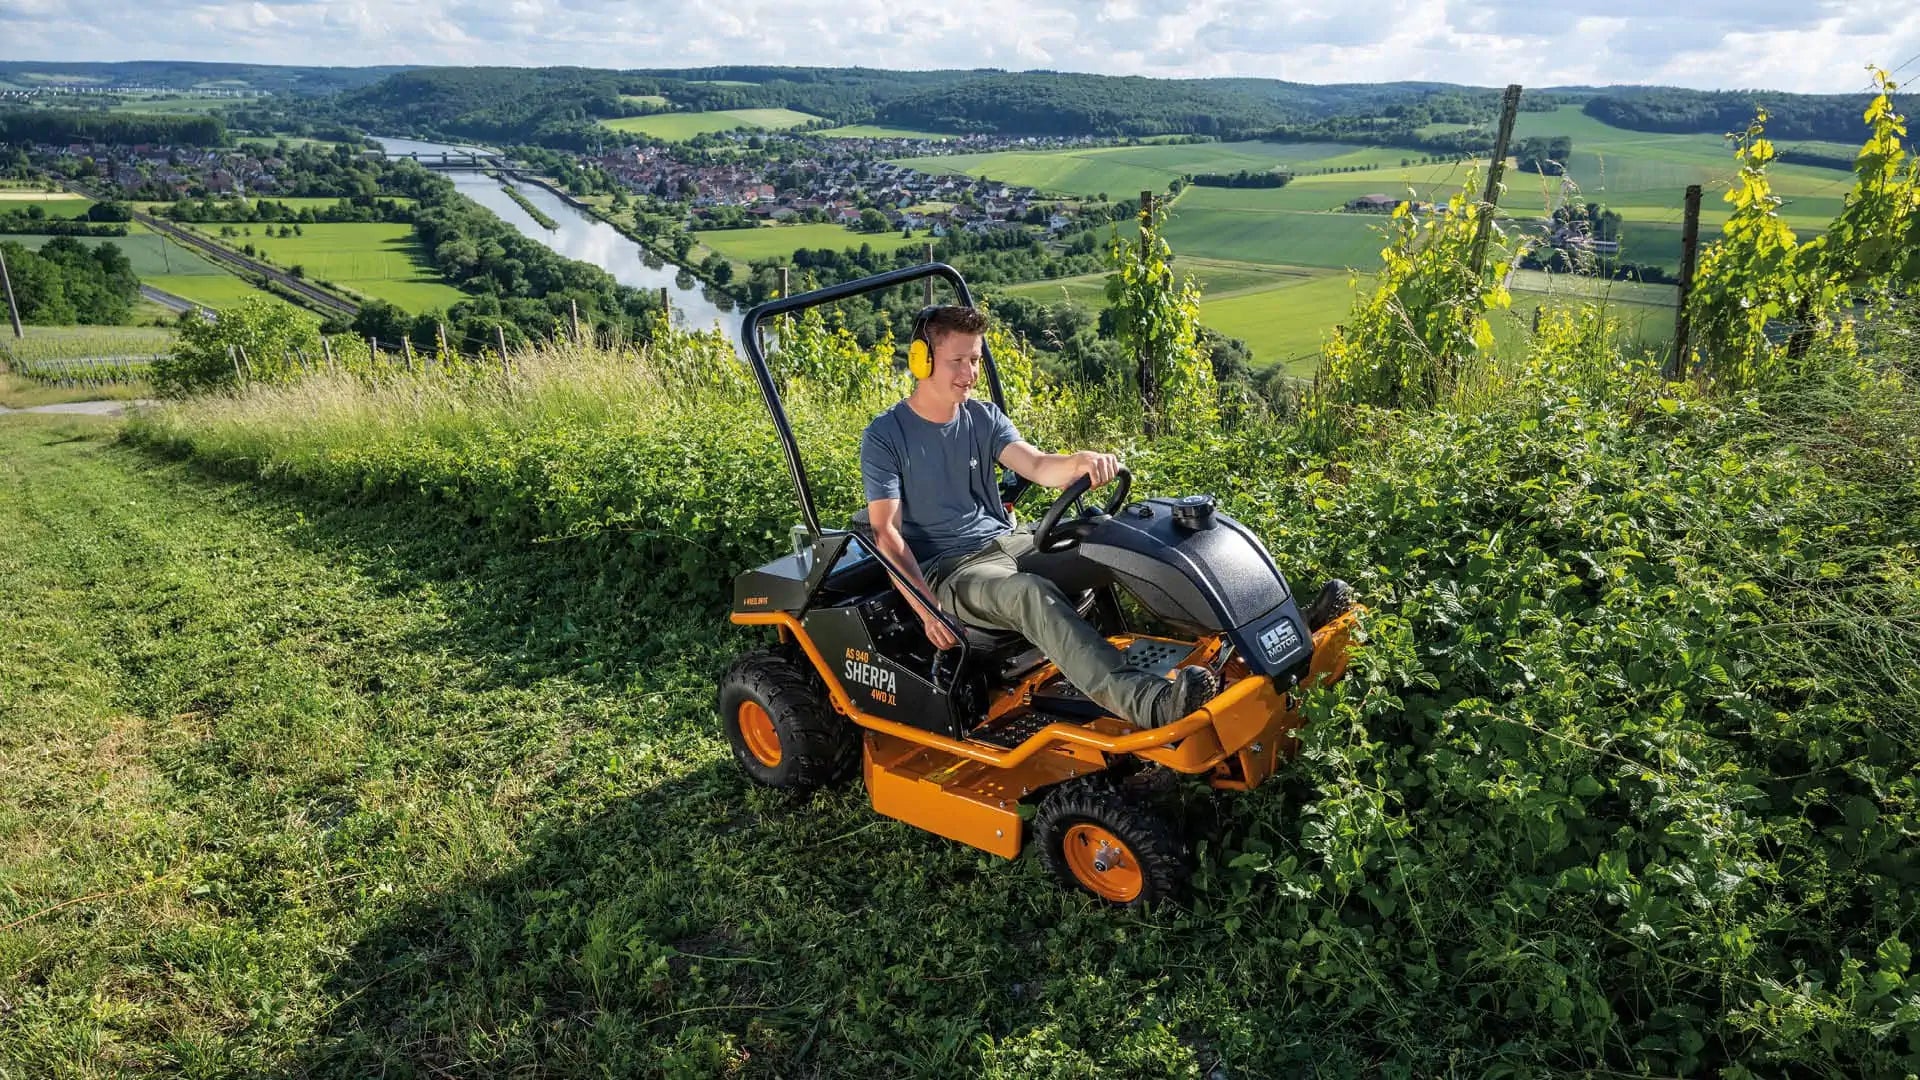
<point>1193,511</point>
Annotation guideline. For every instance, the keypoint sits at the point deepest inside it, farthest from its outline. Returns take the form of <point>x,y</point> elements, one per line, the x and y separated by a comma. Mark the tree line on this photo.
<point>67,282</point>
<point>62,126</point>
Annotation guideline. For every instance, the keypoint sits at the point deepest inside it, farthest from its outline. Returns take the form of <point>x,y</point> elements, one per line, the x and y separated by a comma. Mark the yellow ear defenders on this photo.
<point>920,348</point>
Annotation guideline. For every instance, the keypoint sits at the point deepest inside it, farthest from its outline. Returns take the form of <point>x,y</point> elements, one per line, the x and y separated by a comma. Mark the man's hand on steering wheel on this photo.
<point>1098,468</point>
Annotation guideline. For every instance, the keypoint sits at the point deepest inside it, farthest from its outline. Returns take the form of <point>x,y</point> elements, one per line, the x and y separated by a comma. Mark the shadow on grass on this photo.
<point>649,911</point>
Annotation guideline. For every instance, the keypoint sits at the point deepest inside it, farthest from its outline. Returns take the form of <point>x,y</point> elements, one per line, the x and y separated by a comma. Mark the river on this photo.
<point>588,239</point>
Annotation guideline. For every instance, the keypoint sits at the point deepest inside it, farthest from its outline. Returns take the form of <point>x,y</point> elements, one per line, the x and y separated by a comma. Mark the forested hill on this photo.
<point>1061,104</point>
<point>190,75</point>
<point>1789,116</point>
<point>560,106</point>
<point>537,105</point>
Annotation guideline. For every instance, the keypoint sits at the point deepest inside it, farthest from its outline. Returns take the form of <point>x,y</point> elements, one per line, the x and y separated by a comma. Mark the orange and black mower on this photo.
<point>958,742</point>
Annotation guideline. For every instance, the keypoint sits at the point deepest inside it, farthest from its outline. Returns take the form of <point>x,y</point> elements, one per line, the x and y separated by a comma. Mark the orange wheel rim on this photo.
<point>1103,863</point>
<point>756,730</point>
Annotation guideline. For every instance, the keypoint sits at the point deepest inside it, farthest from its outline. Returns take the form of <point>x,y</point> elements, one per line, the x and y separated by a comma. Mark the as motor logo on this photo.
<point>1279,641</point>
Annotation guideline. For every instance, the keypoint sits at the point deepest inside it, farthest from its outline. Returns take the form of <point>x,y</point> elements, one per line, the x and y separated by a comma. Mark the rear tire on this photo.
<point>1120,852</point>
<point>782,732</point>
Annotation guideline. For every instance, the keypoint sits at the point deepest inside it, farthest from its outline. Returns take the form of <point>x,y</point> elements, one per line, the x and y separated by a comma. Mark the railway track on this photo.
<point>317,298</point>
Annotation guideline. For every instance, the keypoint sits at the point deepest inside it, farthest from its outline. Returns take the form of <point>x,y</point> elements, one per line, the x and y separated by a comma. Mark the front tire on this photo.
<point>1121,852</point>
<point>782,733</point>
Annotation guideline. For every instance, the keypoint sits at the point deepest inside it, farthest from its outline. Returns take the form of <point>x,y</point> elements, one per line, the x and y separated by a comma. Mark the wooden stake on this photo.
<point>245,361</point>
<point>13,309</point>
<point>1509,109</point>
<point>440,335</point>
<point>500,337</point>
<point>926,291</point>
<point>1689,254</point>
<point>326,350</point>
<point>234,358</point>
<point>406,349</point>
<point>786,288</point>
<point>1143,360</point>
<point>573,306</point>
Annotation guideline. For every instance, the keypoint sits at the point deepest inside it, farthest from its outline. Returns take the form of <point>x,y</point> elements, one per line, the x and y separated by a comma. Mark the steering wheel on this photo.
<point>1043,539</point>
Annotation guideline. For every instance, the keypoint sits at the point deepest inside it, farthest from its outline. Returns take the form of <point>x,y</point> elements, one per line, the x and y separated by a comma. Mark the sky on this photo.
<point>1821,46</point>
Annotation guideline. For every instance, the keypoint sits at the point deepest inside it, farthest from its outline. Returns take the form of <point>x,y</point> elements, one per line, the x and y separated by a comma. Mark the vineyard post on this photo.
<point>666,305</point>
<point>1143,358</point>
<point>500,338</point>
<point>245,360</point>
<point>326,350</point>
<point>406,349</point>
<point>573,318</point>
<point>373,355</point>
<point>1689,254</point>
<point>440,336</point>
<point>13,310</point>
<point>785,290</point>
<point>234,358</point>
<point>926,287</point>
<point>1509,109</point>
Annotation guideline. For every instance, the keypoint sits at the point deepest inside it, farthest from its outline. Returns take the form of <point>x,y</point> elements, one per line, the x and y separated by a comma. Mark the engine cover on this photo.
<point>1213,580</point>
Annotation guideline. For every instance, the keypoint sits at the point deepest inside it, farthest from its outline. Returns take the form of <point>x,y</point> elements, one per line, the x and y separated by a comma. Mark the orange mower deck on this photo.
<point>970,790</point>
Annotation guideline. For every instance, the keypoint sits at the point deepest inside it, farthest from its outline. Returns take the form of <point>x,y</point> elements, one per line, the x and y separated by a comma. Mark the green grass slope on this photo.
<point>417,744</point>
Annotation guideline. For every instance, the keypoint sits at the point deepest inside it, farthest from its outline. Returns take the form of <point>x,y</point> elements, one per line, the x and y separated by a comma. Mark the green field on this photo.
<point>745,245</point>
<point>1644,175</point>
<point>56,204</point>
<point>1123,171</point>
<point>208,290</point>
<point>1286,238</point>
<point>150,254</point>
<point>685,125</point>
<point>175,104</point>
<point>880,131</point>
<point>377,259</point>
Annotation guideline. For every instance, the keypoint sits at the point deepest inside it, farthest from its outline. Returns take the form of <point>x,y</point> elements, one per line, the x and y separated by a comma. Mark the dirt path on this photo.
<point>85,408</point>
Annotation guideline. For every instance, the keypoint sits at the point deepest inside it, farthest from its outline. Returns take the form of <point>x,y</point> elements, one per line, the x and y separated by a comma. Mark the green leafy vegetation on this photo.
<point>67,282</point>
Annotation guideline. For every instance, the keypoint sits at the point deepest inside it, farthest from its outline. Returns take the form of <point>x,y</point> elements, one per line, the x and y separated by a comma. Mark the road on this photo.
<point>171,302</point>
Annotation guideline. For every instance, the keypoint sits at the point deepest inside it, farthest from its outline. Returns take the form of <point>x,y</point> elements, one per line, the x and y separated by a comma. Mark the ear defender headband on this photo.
<point>920,346</point>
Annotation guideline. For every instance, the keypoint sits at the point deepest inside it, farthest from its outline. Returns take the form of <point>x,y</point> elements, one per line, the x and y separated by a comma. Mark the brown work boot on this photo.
<point>1191,688</point>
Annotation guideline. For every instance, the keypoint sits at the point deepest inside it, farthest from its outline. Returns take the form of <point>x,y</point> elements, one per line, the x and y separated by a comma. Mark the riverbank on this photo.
<point>653,246</point>
<point>539,216</point>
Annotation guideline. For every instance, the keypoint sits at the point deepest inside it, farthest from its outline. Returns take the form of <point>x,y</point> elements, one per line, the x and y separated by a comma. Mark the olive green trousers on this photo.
<point>988,588</point>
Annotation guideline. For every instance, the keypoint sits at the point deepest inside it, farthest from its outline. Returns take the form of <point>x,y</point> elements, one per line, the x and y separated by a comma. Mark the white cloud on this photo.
<point>1783,44</point>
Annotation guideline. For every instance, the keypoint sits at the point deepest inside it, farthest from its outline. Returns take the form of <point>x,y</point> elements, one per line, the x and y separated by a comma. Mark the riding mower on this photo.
<point>958,742</point>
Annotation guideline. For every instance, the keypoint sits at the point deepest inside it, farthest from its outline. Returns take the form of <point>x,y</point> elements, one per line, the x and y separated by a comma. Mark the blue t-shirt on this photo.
<point>943,475</point>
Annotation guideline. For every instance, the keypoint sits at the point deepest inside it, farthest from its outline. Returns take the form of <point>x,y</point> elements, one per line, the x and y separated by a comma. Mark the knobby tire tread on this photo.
<point>818,747</point>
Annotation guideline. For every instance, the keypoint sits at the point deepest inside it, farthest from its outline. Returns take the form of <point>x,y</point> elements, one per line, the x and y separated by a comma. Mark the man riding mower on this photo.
<point>973,668</point>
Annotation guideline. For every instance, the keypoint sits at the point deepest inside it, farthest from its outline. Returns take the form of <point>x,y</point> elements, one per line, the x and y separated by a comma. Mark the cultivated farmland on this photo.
<point>55,204</point>
<point>377,259</point>
<point>685,125</point>
<point>745,245</point>
<point>1120,171</point>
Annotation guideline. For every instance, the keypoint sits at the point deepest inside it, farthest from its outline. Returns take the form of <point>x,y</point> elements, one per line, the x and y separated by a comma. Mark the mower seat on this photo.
<point>986,642</point>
